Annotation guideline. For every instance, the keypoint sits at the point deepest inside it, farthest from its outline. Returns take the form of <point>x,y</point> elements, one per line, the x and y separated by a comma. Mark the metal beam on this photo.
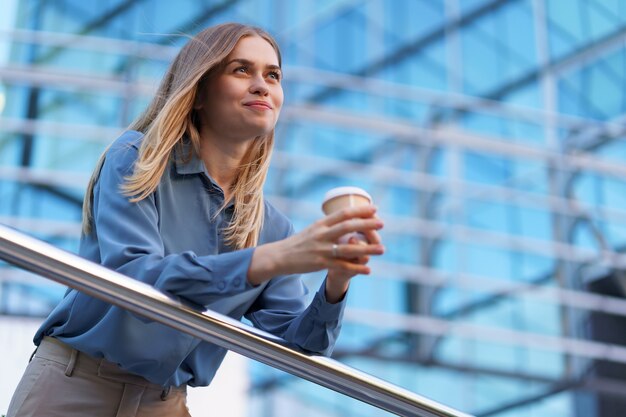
<point>407,132</point>
<point>35,76</point>
<point>144,50</point>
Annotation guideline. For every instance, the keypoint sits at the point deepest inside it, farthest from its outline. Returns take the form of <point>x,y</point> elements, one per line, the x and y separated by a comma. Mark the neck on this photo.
<point>222,159</point>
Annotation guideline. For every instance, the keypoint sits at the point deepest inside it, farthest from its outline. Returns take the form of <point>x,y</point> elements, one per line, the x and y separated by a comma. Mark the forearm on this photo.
<point>268,262</point>
<point>336,289</point>
<point>265,263</point>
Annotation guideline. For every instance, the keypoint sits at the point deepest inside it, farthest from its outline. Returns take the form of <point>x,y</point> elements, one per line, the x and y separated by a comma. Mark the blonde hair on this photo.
<point>170,117</point>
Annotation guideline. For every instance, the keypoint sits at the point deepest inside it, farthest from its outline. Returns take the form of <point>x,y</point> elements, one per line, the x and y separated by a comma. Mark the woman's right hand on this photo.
<point>313,249</point>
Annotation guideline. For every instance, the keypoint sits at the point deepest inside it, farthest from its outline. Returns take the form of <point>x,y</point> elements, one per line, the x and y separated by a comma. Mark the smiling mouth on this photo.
<point>259,105</point>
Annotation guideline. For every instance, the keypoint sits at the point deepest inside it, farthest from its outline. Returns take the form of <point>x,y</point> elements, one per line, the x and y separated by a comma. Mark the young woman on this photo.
<point>177,202</point>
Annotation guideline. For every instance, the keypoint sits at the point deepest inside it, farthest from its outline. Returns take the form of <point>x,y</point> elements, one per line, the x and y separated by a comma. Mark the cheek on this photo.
<point>279,97</point>
<point>219,100</point>
<point>226,90</point>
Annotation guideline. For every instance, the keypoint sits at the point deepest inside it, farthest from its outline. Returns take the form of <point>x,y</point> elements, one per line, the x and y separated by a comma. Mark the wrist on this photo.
<point>265,263</point>
<point>335,288</point>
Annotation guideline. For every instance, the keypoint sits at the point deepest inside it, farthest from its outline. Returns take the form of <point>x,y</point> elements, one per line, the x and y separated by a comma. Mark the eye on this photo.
<point>274,75</point>
<point>241,69</point>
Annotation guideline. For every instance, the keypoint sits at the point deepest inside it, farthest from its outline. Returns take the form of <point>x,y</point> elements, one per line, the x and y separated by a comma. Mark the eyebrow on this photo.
<point>250,63</point>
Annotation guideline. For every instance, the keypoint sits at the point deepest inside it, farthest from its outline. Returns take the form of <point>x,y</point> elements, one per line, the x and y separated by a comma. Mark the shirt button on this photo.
<point>221,285</point>
<point>236,281</point>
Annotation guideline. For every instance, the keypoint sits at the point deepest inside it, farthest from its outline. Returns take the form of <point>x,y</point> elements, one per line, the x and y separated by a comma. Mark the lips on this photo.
<point>258,104</point>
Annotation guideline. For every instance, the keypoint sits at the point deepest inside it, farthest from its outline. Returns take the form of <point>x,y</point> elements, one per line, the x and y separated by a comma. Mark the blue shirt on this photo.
<point>173,241</point>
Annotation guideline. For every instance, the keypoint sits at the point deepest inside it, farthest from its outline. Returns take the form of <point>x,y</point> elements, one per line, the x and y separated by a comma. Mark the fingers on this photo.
<point>372,237</point>
<point>361,219</point>
<point>349,269</point>
<point>354,252</point>
<point>349,213</point>
<point>365,226</point>
<point>361,260</point>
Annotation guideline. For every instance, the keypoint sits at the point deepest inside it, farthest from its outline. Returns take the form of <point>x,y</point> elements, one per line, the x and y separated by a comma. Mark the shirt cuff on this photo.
<point>325,311</point>
<point>235,264</point>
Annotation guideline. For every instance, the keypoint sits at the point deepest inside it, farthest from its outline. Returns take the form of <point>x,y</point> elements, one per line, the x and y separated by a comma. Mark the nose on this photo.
<point>259,86</point>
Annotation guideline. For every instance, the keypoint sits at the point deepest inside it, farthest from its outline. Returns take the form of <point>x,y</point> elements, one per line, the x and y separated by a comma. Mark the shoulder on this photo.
<point>277,225</point>
<point>122,153</point>
<point>128,140</point>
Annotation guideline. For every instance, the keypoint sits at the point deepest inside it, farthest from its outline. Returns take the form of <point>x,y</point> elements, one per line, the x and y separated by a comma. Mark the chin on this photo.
<point>262,131</point>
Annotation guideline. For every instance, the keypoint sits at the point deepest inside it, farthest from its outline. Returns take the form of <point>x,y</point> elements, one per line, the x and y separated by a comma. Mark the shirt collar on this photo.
<point>194,165</point>
<point>183,166</point>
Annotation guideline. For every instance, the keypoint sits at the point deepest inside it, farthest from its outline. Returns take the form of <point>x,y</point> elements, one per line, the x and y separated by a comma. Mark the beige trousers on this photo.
<point>63,382</point>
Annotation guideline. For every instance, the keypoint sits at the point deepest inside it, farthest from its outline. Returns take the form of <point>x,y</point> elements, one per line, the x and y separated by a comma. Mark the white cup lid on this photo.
<point>339,191</point>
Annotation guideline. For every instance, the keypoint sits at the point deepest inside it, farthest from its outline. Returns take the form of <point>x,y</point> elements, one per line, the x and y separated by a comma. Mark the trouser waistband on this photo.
<point>53,349</point>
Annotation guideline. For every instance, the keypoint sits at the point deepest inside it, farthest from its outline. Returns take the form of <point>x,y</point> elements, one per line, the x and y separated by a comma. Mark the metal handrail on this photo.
<point>95,280</point>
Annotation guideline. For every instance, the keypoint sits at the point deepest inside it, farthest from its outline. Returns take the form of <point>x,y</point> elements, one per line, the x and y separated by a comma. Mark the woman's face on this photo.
<point>243,99</point>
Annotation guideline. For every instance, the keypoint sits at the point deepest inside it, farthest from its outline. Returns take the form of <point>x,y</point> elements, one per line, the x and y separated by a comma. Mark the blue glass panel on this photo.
<point>601,85</point>
<point>526,96</point>
<point>534,223</point>
<point>531,267</point>
<point>583,237</point>
<point>582,22</point>
<point>602,18</point>
<point>613,151</point>
<point>37,203</point>
<point>483,260</point>
<point>494,52</point>
<point>586,187</point>
<point>10,149</point>
<point>507,218</point>
<point>471,5</point>
<point>522,46</point>
<point>480,62</point>
<point>556,405</point>
<point>616,235</point>
<point>565,26</point>
<point>81,108</point>
<point>408,21</point>
<point>16,101</point>
<point>613,193</point>
<point>487,215</point>
<point>428,69</point>
<point>487,169</point>
<point>445,255</point>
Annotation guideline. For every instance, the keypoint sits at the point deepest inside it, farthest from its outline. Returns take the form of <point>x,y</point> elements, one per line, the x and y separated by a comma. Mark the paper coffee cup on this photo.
<point>344,197</point>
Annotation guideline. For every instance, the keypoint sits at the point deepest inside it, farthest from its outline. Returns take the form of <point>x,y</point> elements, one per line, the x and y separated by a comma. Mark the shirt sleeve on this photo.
<point>281,309</point>
<point>130,243</point>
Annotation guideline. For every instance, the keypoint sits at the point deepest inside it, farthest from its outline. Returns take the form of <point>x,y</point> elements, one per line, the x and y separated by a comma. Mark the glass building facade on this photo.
<point>489,132</point>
